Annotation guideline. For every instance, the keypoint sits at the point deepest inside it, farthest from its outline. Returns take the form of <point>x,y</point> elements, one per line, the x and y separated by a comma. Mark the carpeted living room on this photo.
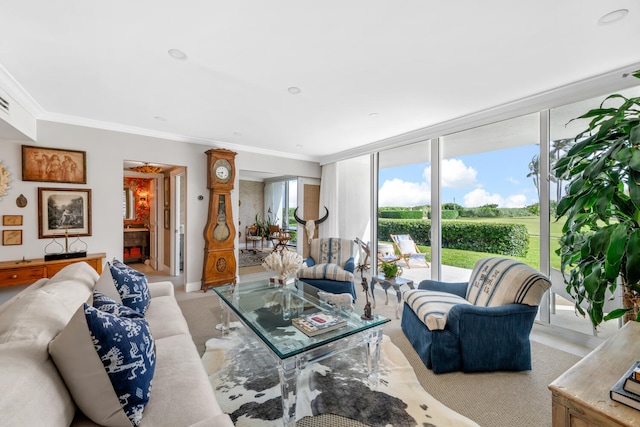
<point>409,395</point>
<point>343,214</point>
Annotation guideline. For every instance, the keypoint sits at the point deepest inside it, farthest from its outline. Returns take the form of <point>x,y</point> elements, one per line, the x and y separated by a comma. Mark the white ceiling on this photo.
<point>415,63</point>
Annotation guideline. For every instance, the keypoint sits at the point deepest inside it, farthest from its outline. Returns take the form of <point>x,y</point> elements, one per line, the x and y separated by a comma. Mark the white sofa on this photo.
<point>34,393</point>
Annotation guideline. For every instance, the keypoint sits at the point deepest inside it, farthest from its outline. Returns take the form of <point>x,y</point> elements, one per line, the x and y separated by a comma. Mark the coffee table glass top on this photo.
<point>268,310</point>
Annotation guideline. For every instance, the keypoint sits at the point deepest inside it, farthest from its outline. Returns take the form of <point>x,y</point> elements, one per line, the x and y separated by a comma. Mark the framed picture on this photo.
<point>11,237</point>
<point>54,165</point>
<point>11,219</point>
<point>64,210</point>
<point>167,219</point>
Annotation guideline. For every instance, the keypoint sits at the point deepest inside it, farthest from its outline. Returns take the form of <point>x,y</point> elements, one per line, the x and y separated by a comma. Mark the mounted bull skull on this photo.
<point>309,224</point>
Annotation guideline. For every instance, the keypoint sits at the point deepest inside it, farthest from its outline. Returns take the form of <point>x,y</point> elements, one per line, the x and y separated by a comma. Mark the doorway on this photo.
<point>154,209</point>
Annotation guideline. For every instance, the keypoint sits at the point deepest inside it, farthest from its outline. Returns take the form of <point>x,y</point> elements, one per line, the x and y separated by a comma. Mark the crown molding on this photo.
<point>116,127</point>
<point>576,91</point>
<point>19,94</point>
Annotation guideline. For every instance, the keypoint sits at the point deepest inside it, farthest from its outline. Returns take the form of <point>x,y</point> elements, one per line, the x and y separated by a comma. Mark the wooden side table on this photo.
<point>28,271</point>
<point>394,283</point>
<point>580,396</point>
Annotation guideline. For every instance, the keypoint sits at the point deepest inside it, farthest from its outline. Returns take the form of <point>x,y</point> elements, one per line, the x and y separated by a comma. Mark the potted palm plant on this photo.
<point>600,245</point>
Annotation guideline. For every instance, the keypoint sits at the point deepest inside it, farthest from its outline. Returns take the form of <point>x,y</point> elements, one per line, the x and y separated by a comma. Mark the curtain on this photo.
<point>345,191</point>
<point>273,202</point>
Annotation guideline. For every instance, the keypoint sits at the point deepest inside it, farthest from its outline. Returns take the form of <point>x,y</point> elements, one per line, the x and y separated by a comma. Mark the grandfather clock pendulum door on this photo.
<point>219,233</point>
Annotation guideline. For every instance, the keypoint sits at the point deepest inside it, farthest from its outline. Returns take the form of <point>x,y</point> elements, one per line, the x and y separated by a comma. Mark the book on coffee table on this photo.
<point>318,323</point>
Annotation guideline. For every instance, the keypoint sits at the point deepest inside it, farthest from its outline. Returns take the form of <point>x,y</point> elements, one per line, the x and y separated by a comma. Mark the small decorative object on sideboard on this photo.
<point>79,249</point>
<point>620,391</point>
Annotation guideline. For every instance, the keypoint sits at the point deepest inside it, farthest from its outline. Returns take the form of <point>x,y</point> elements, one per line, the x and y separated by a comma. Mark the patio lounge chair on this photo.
<point>408,250</point>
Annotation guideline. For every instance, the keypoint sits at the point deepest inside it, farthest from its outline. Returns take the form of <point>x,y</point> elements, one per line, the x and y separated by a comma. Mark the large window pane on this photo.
<point>489,175</point>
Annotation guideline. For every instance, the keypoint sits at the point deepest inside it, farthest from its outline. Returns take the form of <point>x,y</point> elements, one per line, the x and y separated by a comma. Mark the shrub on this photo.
<point>447,214</point>
<point>500,239</point>
<point>401,214</point>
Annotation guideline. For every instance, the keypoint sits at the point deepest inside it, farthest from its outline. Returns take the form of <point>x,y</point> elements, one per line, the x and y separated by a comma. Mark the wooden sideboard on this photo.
<point>580,396</point>
<point>26,272</point>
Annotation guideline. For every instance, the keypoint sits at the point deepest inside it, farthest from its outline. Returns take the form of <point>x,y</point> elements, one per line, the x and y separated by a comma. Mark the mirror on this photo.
<point>128,203</point>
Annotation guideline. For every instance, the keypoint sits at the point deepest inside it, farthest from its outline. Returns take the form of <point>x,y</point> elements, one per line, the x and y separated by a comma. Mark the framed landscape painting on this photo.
<point>64,211</point>
<point>54,165</point>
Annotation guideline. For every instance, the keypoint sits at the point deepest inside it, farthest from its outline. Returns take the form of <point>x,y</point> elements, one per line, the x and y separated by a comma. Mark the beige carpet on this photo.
<point>499,399</point>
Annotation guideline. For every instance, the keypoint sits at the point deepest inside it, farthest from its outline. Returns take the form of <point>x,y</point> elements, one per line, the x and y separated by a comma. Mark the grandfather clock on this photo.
<point>219,233</point>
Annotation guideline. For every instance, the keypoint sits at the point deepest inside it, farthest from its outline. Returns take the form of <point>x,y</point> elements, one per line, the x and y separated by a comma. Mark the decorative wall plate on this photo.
<point>21,201</point>
<point>4,180</point>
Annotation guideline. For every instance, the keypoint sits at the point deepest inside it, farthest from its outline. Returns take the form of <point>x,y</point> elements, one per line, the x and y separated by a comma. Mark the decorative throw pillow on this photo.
<point>108,364</point>
<point>106,304</point>
<point>325,271</point>
<point>132,286</point>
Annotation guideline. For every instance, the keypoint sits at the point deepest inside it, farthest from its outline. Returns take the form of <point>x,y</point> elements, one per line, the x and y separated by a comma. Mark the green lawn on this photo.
<point>467,259</point>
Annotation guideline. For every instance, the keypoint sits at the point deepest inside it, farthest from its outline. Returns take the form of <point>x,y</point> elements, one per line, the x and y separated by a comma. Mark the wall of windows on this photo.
<point>497,173</point>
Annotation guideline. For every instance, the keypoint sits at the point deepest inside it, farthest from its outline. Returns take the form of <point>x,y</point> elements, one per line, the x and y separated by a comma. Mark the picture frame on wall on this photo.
<point>11,220</point>
<point>11,237</point>
<point>64,211</point>
<point>54,165</point>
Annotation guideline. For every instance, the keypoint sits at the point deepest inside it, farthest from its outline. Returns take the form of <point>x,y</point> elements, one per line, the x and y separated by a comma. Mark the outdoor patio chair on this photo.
<point>408,250</point>
<point>482,325</point>
<point>367,251</point>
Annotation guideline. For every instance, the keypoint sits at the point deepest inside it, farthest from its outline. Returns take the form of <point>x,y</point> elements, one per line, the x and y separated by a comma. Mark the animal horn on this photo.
<point>326,215</point>
<point>298,219</point>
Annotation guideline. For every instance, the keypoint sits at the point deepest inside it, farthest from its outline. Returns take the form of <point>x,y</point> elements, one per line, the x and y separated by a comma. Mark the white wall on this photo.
<point>106,151</point>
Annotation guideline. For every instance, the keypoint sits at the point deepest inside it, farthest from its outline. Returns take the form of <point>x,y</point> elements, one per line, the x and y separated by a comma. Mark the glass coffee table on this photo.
<point>268,310</point>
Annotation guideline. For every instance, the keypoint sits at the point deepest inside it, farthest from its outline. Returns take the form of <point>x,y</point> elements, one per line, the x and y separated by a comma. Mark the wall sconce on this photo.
<point>142,200</point>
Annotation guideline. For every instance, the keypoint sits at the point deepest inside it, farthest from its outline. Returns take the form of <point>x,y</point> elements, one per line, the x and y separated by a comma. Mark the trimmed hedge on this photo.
<point>400,214</point>
<point>447,214</point>
<point>501,239</point>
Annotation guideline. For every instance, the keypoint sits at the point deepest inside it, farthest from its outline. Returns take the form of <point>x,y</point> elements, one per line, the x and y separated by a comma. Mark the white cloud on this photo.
<point>455,174</point>
<point>480,197</point>
<point>397,192</point>
<point>513,180</point>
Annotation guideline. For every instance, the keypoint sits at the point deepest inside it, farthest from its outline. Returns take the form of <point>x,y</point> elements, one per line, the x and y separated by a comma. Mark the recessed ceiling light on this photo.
<point>178,54</point>
<point>160,118</point>
<point>294,90</point>
<point>612,17</point>
<point>374,115</point>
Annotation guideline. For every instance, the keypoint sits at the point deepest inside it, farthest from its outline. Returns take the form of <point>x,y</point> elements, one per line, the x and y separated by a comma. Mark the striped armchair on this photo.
<point>482,325</point>
<point>330,265</point>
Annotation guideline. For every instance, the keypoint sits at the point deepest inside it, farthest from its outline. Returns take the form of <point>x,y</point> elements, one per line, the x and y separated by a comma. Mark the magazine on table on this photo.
<point>318,323</point>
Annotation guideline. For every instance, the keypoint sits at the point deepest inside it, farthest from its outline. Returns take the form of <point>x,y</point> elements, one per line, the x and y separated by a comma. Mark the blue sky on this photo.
<point>493,177</point>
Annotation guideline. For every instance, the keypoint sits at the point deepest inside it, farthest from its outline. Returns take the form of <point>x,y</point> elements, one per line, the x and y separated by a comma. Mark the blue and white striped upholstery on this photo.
<point>331,250</point>
<point>500,281</point>
<point>432,307</point>
<point>326,271</point>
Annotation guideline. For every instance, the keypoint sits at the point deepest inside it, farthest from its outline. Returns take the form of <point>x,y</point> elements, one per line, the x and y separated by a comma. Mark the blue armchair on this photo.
<point>482,325</point>
<point>330,265</point>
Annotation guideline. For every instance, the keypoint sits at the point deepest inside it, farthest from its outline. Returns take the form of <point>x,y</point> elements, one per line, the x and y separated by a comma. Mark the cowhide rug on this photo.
<point>246,384</point>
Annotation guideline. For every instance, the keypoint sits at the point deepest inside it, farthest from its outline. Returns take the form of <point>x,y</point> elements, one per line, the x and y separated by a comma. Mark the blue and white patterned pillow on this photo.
<point>127,351</point>
<point>108,363</point>
<point>132,286</point>
<point>106,304</point>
